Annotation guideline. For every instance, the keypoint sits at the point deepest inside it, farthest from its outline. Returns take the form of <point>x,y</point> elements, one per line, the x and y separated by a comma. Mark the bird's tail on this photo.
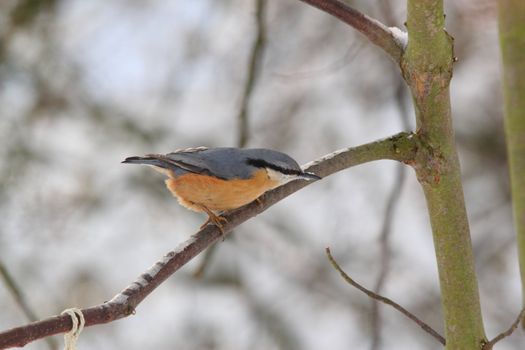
<point>148,160</point>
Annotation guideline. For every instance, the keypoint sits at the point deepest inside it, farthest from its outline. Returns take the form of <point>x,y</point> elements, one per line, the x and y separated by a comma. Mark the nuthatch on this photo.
<point>215,180</point>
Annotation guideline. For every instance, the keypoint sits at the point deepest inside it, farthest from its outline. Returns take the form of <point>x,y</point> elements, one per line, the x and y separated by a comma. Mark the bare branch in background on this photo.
<point>385,300</point>
<point>400,147</point>
<point>331,68</point>
<point>374,30</point>
<point>205,262</point>
<point>252,75</point>
<point>512,43</point>
<point>385,253</point>
<point>16,292</point>
<point>393,200</point>
<point>253,71</point>
<point>20,300</point>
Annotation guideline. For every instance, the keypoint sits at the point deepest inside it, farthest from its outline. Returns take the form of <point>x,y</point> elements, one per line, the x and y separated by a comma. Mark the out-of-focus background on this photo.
<point>83,84</point>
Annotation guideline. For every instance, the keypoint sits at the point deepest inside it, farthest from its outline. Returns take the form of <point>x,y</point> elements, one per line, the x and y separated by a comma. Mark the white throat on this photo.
<point>280,177</point>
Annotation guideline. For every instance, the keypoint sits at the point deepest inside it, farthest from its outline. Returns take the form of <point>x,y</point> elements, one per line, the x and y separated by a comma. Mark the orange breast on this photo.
<point>215,194</point>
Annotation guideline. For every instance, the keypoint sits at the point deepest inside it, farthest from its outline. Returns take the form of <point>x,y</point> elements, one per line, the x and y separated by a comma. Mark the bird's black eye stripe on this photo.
<point>260,163</point>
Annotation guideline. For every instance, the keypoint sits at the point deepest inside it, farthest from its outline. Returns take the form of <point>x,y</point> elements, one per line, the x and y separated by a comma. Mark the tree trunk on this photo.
<point>427,68</point>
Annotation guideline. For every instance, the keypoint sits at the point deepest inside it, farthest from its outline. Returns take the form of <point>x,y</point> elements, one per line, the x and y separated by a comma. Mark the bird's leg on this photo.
<point>216,220</point>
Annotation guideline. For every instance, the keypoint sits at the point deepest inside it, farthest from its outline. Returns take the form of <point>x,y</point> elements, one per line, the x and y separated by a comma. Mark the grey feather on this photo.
<point>229,163</point>
<point>223,162</point>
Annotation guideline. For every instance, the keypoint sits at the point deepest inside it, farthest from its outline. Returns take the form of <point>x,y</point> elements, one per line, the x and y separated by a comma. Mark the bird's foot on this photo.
<point>216,220</point>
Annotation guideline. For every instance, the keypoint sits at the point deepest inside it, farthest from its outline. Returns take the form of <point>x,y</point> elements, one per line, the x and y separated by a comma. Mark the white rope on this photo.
<point>70,338</point>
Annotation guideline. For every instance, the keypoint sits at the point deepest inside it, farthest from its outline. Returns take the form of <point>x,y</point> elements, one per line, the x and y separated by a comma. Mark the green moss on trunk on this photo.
<point>427,68</point>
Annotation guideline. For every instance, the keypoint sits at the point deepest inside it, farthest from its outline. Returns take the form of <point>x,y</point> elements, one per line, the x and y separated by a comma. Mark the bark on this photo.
<point>427,68</point>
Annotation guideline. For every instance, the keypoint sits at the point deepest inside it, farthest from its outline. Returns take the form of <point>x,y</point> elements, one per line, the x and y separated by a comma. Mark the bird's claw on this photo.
<point>217,221</point>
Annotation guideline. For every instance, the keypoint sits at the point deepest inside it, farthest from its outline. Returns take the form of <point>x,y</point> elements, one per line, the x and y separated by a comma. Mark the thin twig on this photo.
<point>508,332</point>
<point>253,71</point>
<point>16,292</point>
<point>205,262</point>
<point>401,147</point>
<point>385,253</point>
<point>20,300</point>
<point>385,300</point>
<point>374,30</point>
<point>384,243</point>
<point>330,68</point>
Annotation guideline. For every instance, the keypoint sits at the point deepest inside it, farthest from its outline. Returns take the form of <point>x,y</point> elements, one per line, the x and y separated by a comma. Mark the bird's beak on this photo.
<point>309,176</point>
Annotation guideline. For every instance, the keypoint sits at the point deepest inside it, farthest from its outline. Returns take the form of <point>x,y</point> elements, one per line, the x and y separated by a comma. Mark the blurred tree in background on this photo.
<point>84,84</point>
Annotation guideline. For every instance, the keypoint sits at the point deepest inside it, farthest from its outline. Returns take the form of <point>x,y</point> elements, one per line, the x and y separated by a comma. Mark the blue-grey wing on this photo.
<point>224,163</point>
<point>230,163</point>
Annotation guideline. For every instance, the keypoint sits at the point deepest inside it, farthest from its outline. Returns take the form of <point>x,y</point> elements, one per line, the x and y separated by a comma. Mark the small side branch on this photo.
<point>400,147</point>
<point>508,332</point>
<point>17,294</point>
<point>374,30</point>
<point>385,300</point>
<point>385,254</point>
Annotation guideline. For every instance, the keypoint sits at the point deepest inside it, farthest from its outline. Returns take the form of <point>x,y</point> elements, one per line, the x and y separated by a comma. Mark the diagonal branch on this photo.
<point>401,147</point>
<point>18,295</point>
<point>16,292</point>
<point>382,299</point>
<point>374,30</point>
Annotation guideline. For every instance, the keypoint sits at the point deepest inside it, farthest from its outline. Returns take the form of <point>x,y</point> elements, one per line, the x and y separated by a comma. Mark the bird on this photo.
<point>217,180</point>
